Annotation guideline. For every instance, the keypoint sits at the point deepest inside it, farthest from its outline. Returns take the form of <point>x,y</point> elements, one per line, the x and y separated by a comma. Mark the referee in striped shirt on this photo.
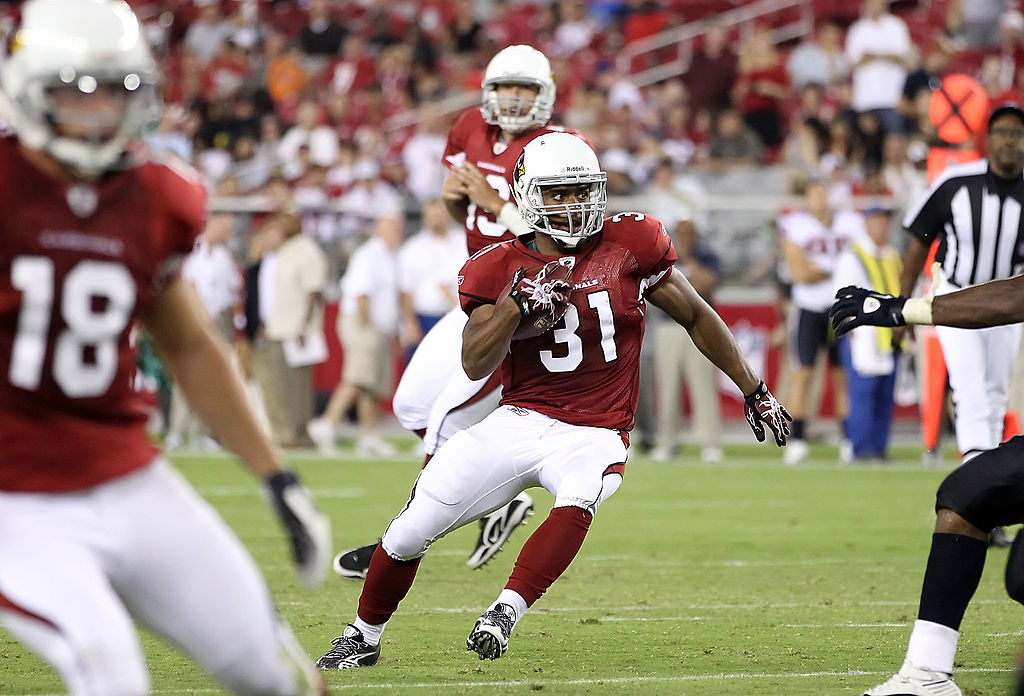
<point>974,210</point>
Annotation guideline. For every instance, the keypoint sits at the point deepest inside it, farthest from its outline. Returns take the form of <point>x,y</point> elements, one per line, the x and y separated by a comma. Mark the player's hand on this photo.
<point>545,295</point>
<point>761,409</point>
<point>309,530</point>
<point>859,307</point>
<point>477,188</point>
<point>453,189</point>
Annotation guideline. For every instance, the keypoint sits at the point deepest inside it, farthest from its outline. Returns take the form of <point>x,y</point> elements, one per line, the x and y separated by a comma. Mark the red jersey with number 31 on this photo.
<point>585,371</point>
<point>77,263</point>
<point>473,139</point>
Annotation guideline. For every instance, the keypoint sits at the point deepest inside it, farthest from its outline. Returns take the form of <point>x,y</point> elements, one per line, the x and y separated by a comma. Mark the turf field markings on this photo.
<point>441,686</point>
<point>257,492</point>
<point>848,625</point>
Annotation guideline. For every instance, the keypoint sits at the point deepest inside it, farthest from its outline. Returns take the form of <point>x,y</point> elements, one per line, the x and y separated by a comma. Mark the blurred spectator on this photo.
<point>927,76</point>
<point>211,270</point>
<point>812,241</point>
<point>733,143</point>
<point>867,352</point>
<point>170,133</point>
<point>224,75</point>
<point>370,198</point>
<point>712,72</point>
<point>291,282</point>
<point>676,359</point>
<point>322,35</point>
<point>819,59</point>
<point>367,324</point>
<point>207,32</point>
<point>353,70</point>
<point>878,48</point>
<point>422,154</point>
<point>761,86</point>
<point>1010,48</point>
<point>902,178</point>
<point>428,268</point>
<point>803,149</point>
<point>252,165</point>
<point>286,76</point>
<point>309,131</point>
<point>981,22</point>
<point>575,31</point>
<point>465,29</point>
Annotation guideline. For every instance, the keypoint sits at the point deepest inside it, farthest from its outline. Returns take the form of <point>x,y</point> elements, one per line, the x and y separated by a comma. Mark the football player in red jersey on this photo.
<point>97,530</point>
<point>435,398</point>
<point>569,396</point>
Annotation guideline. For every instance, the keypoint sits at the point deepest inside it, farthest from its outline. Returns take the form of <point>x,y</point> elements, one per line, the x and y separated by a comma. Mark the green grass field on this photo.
<point>743,578</point>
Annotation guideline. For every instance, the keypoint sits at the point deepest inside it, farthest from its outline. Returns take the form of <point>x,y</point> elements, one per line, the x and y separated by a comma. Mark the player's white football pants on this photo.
<point>482,468</point>
<point>76,568</point>
<point>434,386</point>
<point>980,365</point>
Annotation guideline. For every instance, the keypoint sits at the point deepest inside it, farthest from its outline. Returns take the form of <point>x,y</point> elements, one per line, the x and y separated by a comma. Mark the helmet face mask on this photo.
<point>80,82</point>
<point>516,113</point>
<point>560,189</point>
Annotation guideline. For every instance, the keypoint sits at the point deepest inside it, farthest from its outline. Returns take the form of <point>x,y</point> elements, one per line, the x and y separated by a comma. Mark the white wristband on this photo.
<point>509,216</point>
<point>918,310</point>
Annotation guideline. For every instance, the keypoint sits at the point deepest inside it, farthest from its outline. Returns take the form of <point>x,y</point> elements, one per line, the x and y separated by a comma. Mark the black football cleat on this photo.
<point>349,650</point>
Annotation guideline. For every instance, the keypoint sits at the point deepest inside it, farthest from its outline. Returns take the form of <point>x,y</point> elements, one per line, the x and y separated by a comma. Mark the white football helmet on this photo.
<point>560,159</point>
<point>80,47</point>
<point>518,64</point>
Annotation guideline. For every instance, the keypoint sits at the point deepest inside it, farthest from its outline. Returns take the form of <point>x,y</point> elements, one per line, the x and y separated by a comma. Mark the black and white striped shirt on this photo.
<point>977,217</point>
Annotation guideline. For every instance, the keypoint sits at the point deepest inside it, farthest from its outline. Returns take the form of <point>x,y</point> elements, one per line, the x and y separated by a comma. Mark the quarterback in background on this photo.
<point>435,397</point>
<point>97,530</point>
<point>562,312</point>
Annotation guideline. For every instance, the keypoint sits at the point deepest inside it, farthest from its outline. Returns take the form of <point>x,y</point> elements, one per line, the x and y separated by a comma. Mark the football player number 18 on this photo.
<point>96,302</point>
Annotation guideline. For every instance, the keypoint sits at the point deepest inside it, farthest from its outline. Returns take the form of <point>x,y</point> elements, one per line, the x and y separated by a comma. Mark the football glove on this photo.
<point>859,307</point>
<point>309,530</point>
<point>542,299</point>
<point>761,409</point>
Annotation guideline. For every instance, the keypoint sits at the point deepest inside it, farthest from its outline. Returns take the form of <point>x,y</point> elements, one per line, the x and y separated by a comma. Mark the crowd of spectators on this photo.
<point>307,99</point>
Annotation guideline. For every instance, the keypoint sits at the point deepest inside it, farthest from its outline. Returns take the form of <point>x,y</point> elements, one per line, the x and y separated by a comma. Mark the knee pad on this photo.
<point>586,491</point>
<point>1015,570</point>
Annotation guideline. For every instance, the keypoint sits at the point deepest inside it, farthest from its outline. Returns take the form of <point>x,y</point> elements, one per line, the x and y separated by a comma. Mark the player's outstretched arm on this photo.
<point>192,352</point>
<point>994,303</point>
<point>677,298</point>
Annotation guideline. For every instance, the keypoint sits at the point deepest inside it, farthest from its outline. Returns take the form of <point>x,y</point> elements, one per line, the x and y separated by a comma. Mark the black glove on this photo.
<point>761,408</point>
<point>859,307</point>
<point>309,530</point>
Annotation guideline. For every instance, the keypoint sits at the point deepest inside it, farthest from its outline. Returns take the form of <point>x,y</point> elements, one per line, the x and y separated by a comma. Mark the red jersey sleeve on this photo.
<point>649,242</point>
<point>483,277</point>
<point>181,189</point>
<point>455,148</point>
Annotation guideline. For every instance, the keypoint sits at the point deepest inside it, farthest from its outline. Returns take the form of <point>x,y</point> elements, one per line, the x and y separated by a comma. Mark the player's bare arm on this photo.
<point>990,304</point>
<point>801,269</point>
<point>487,337</point>
<point>677,298</point>
<point>192,352</point>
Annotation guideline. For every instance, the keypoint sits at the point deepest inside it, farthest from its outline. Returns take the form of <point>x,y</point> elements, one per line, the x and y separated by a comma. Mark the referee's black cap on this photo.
<point>1006,108</point>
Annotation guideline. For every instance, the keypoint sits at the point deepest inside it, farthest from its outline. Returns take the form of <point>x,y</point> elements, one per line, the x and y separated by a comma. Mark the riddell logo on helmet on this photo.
<point>577,168</point>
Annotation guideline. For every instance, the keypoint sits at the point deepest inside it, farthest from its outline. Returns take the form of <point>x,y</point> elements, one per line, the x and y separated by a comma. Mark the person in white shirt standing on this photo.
<point>429,263</point>
<point>878,48</point>
<point>812,240</point>
<point>868,354</point>
<point>367,326</point>
<point>212,271</point>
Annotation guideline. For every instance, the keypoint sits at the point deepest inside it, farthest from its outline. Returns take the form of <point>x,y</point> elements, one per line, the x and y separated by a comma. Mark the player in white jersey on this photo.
<point>435,398</point>
<point>812,241</point>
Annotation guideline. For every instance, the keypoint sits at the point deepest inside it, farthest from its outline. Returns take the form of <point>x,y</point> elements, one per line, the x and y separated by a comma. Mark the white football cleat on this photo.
<point>795,452</point>
<point>914,681</point>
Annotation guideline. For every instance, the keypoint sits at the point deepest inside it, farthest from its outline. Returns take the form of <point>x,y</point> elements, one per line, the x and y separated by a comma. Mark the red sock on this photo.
<point>549,551</point>
<point>387,582</point>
